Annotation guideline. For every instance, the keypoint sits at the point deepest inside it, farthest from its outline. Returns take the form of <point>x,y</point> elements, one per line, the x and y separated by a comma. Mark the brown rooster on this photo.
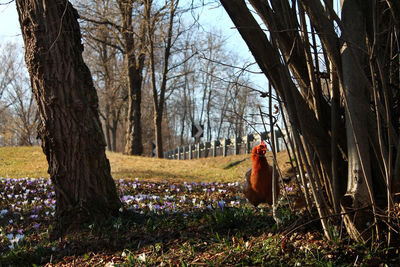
<point>258,185</point>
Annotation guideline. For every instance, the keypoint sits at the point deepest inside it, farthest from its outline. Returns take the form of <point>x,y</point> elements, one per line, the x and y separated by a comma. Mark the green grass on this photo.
<point>18,162</point>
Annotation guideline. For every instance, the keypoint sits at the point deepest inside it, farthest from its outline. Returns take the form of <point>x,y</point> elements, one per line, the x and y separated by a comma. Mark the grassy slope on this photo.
<point>17,162</point>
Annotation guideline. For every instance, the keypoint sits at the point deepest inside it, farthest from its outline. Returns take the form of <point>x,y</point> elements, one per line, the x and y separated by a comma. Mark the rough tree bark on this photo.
<point>70,129</point>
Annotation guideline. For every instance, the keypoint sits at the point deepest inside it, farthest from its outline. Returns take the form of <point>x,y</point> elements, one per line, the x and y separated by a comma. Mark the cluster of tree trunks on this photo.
<point>342,104</point>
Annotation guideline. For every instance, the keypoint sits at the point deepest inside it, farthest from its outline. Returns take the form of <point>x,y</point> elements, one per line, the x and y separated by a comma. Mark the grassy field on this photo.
<point>19,162</point>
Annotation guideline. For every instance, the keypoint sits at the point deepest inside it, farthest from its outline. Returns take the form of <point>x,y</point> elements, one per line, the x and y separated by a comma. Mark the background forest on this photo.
<point>202,81</point>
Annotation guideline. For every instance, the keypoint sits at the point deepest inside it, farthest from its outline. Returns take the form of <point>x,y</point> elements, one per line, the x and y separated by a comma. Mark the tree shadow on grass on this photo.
<point>134,231</point>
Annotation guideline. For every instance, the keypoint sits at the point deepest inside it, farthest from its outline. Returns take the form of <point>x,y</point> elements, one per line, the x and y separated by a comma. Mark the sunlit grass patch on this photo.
<point>19,162</point>
<point>206,169</point>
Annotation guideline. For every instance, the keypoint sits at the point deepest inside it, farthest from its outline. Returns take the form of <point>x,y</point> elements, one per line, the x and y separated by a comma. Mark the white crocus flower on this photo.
<point>14,240</point>
<point>142,257</point>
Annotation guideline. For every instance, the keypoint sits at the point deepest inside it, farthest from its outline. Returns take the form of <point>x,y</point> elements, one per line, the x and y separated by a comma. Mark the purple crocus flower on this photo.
<point>221,204</point>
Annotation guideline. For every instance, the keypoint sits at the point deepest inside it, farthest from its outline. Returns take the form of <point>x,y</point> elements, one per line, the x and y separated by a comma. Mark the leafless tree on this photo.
<point>106,62</point>
<point>160,24</point>
<point>208,92</point>
<point>24,117</point>
<point>121,24</point>
<point>18,110</point>
<point>197,68</point>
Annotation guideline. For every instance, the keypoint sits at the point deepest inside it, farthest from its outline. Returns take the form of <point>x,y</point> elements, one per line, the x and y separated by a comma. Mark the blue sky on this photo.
<point>213,18</point>
<point>9,24</point>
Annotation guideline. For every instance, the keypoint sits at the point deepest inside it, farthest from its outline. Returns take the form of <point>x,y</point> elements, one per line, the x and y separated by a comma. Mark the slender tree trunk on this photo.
<point>159,98</point>
<point>210,95</point>
<point>134,144</point>
<point>158,133</point>
<point>70,128</point>
<point>186,99</point>
<point>114,135</point>
<point>106,118</point>
<point>359,185</point>
<point>181,140</point>
<point>108,138</point>
<point>338,181</point>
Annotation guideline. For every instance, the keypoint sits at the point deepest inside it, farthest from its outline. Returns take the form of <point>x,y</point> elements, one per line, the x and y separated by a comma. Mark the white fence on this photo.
<point>223,147</point>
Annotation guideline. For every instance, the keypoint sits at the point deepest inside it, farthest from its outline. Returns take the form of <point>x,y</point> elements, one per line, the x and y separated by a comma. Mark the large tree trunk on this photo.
<point>70,129</point>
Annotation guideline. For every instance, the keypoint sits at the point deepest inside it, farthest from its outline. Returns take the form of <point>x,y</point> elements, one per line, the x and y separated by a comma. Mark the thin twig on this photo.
<point>3,4</point>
